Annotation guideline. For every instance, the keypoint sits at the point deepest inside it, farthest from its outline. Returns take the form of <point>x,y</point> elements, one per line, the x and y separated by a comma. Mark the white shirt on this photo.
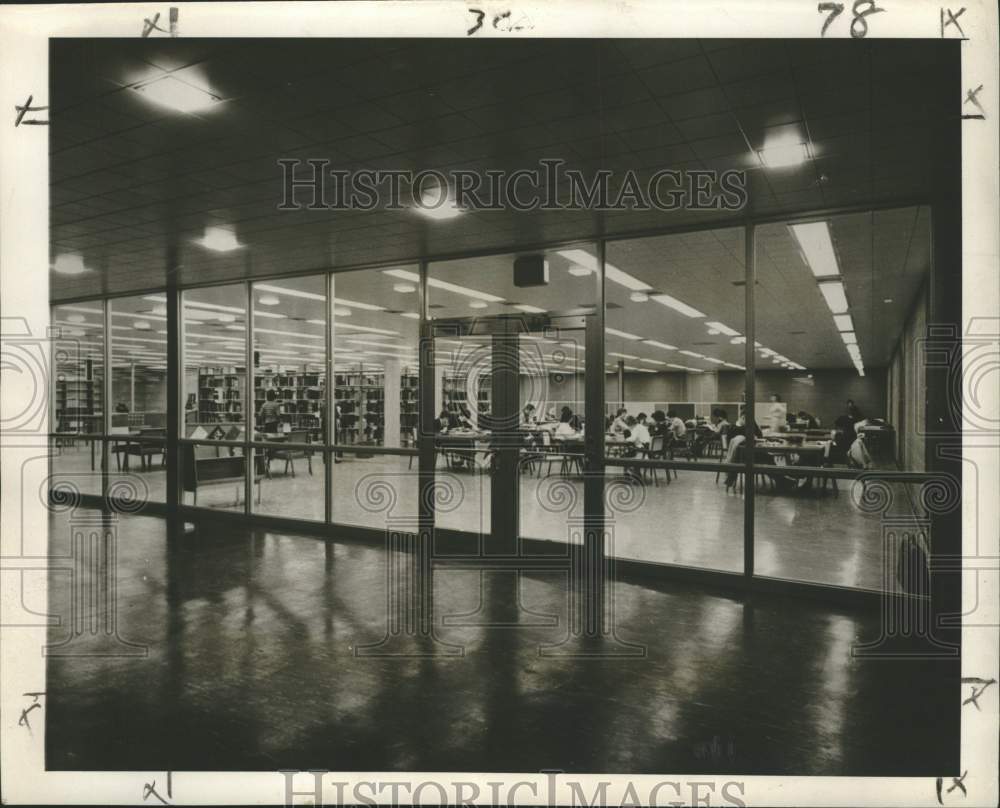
<point>677,427</point>
<point>565,430</point>
<point>640,435</point>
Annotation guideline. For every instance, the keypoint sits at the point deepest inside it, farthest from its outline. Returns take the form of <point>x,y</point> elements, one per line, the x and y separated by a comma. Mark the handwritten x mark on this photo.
<point>974,697</point>
<point>971,96</point>
<point>150,789</point>
<point>23,720</point>
<point>956,782</point>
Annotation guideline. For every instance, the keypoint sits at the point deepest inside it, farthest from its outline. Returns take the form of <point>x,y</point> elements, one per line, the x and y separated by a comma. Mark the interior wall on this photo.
<point>824,395</point>
<point>909,389</point>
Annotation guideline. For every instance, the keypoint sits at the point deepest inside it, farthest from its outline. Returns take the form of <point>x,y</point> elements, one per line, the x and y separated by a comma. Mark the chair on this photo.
<point>289,455</point>
<point>657,450</point>
<point>146,451</point>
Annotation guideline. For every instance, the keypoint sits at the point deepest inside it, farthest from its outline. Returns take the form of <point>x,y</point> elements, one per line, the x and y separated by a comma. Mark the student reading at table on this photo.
<point>270,412</point>
<point>445,421</point>
<point>676,425</point>
<point>659,426</point>
<point>638,441</point>
<point>737,438</point>
<point>566,427</point>
<point>528,415</point>
<point>811,421</point>
<point>620,424</point>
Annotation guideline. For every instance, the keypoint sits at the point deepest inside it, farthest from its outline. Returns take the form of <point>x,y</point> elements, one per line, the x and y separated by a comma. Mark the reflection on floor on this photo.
<point>815,535</point>
<point>251,665</point>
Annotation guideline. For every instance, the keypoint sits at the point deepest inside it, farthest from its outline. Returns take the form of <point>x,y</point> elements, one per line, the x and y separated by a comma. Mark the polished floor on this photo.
<point>816,535</point>
<point>250,663</point>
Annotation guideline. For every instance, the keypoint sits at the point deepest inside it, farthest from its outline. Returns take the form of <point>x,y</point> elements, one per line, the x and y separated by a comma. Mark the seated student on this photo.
<point>853,412</point>
<point>445,421</point>
<point>620,424</point>
<point>737,437</point>
<point>659,426</point>
<point>857,455</point>
<point>676,425</point>
<point>465,418</point>
<point>719,424</point>
<point>811,421</point>
<point>566,428</point>
<point>528,415</point>
<point>638,441</point>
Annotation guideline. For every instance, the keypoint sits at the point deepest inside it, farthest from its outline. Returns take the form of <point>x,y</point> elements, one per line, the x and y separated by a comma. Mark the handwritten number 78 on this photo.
<point>860,10</point>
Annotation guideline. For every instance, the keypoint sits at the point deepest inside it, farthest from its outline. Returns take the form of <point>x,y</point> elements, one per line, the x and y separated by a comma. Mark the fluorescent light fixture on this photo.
<point>269,300</point>
<point>784,151</point>
<point>347,328</point>
<point>412,315</point>
<point>406,275</point>
<point>849,337</point>
<point>677,305</point>
<point>693,353</point>
<point>843,322</point>
<point>84,309</point>
<point>732,365</point>
<point>281,290</point>
<point>529,309</point>
<point>580,271</point>
<point>685,367</point>
<point>219,239</point>
<point>76,318</point>
<point>404,288</point>
<point>68,264</point>
<point>656,344</point>
<point>722,328</point>
<point>584,263</point>
<point>177,95</point>
<point>342,311</point>
<point>836,299</point>
<point>226,318</point>
<point>623,334</point>
<point>638,297</point>
<point>622,355</point>
<point>477,304</point>
<point>141,325</point>
<point>239,328</point>
<point>817,248</point>
<point>738,341</point>
<point>714,360</point>
<point>652,361</point>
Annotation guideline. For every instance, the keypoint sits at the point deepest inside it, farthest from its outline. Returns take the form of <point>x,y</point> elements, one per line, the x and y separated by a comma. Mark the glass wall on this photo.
<point>674,364</point>
<point>78,404</point>
<point>841,305</point>
<point>376,337</point>
<point>841,309</point>
<point>289,395</point>
<point>139,393</point>
<point>215,395</point>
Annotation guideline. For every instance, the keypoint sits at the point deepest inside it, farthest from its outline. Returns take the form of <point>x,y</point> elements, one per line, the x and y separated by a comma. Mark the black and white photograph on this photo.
<point>485,409</point>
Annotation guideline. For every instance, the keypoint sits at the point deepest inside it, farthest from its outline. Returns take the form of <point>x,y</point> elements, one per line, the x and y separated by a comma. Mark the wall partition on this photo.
<point>760,391</point>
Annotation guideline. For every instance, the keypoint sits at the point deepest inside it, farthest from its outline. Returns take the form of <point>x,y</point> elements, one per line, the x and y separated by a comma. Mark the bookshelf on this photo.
<point>300,393</point>
<point>78,402</point>
<point>220,396</point>
<point>361,397</point>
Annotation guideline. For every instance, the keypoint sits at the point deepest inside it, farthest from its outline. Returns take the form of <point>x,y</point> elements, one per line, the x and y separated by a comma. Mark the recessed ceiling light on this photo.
<point>836,299</point>
<point>721,328</point>
<point>219,239</point>
<point>580,271</point>
<point>817,248</point>
<point>677,305</point>
<point>141,325</point>
<point>177,95</point>
<point>269,300</point>
<point>887,300</point>
<point>225,318</point>
<point>638,297</point>
<point>341,311</point>
<point>76,318</point>
<point>69,264</point>
<point>404,288</point>
<point>783,152</point>
<point>435,203</point>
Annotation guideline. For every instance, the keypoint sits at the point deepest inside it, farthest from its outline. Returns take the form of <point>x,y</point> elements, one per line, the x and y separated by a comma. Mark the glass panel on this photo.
<point>213,322</point>
<point>290,394</point>
<point>78,360</point>
<point>213,476</point>
<point>674,366</point>
<point>77,395</point>
<point>139,392</point>
<point>841,308</point>
<point>376,333</point>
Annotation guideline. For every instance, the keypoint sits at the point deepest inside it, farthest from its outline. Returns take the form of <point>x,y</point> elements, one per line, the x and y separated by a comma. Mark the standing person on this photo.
<point>853,412</point>
<point>638,442</point>
<point>270,412</point>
